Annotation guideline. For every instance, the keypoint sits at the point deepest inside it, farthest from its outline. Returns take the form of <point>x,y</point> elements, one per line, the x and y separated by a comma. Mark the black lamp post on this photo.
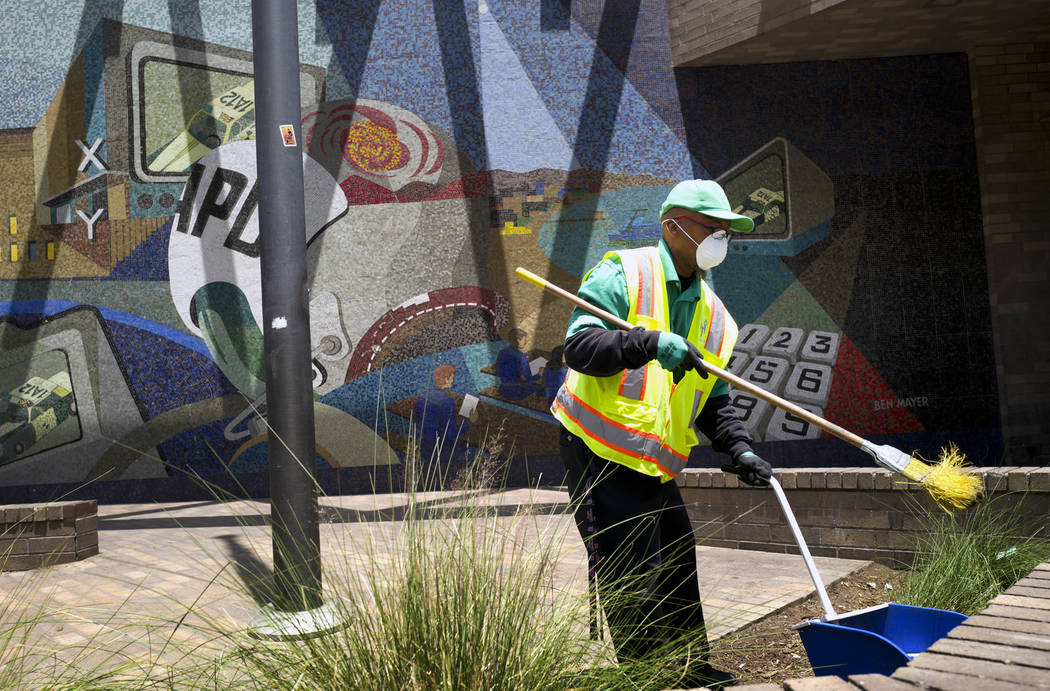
<point>298,608</point>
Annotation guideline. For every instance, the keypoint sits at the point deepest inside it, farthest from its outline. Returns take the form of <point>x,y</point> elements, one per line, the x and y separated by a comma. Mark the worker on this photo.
<point>627,410</point>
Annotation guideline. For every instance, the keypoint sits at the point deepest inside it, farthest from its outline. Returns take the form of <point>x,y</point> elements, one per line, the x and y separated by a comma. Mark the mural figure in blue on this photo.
<point>440,428</point>
<point>554,374</point>
<point>516,380</point>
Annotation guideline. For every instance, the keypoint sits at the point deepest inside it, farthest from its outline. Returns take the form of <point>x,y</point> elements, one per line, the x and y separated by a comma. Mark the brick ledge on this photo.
<point>36,535</point>
<point>998,479</point>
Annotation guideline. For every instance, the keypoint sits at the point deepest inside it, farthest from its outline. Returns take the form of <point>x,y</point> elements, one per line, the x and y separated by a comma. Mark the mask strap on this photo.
<point>682,230</point>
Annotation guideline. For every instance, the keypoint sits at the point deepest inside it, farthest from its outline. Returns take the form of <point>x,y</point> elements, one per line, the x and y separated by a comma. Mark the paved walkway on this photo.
<point>156,560</point>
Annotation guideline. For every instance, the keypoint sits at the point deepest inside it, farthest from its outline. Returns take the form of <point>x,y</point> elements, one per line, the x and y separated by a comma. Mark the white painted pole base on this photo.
<point>273,624</point>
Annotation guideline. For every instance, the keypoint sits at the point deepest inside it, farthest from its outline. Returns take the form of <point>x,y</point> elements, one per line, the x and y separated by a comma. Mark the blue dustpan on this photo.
<point>876,640</point>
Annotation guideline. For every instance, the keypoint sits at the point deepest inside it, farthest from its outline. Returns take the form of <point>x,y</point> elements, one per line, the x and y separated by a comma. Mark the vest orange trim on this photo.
<point>594,411</point>
<point>604,441</point>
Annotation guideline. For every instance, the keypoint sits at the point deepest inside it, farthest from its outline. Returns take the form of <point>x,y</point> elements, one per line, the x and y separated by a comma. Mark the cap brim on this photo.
<point>738,223</point>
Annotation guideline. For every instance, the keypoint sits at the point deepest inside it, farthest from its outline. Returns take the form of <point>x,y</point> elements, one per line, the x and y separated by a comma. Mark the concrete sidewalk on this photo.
<point>158,559</point>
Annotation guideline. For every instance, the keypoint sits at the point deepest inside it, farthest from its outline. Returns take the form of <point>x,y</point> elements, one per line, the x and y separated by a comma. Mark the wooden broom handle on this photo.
<point>742,384</point>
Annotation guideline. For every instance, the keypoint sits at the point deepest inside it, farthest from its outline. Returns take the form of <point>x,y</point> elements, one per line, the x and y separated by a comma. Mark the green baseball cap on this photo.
<point>706,197</point>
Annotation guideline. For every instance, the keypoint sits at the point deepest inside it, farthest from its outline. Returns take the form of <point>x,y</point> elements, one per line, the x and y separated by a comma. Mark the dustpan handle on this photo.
<point>829,611</point>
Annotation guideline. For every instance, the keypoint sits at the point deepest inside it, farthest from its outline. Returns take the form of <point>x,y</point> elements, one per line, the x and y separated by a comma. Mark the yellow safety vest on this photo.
<point>641,418</point>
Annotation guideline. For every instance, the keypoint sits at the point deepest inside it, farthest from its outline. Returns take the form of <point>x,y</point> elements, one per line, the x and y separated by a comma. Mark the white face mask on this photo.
<point>711,251</point>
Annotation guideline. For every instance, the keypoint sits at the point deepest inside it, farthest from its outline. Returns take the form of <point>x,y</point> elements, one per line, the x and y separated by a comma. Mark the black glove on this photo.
<point>751,468</point>
<point>694,361</point>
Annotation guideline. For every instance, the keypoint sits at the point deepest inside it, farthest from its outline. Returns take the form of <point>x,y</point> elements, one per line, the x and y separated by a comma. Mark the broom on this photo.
<point>947,481</point>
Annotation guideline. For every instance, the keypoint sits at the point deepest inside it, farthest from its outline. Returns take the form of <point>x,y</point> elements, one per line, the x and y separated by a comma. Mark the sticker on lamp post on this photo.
<point>288,135</point>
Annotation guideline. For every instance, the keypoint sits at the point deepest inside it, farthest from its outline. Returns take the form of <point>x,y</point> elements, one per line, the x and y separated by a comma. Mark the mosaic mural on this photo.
<point>446,144</point>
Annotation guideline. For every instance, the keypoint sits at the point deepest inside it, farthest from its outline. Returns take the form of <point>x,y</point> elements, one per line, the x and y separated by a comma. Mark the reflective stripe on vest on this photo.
<point>713,343</point>
<point>647,267</point>
<point>650,304</point>
<point>632,383</point>
<point>612,435</point>
<point>698,396</point>
<point>640,418</point>
<point>616,437</point>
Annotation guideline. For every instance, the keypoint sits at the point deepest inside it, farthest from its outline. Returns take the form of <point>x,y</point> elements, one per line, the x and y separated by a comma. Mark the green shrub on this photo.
<point>970,557</point>
<point>452,595</point>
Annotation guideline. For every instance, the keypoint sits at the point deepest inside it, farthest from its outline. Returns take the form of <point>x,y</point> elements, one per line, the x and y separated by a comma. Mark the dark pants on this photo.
<point>640,543</point>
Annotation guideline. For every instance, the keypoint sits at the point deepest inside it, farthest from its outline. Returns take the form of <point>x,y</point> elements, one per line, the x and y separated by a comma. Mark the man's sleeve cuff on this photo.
<point>738,448</point>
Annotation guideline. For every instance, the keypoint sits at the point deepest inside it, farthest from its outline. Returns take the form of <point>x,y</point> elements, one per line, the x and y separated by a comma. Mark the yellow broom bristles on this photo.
<point>950,485</point>
<point>916,469</point>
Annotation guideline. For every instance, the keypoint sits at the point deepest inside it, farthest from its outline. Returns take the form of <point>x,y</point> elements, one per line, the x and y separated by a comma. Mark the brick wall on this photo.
<point>701,27</point>
<point>34,535</point>
<point>850,513</point>
<point>1011,101</point>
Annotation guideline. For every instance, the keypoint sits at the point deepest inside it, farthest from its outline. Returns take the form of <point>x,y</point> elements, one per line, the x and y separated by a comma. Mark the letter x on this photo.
<point>89,155</point>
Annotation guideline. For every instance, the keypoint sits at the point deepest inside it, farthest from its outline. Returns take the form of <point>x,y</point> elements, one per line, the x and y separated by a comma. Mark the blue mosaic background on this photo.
<point>538,133</point>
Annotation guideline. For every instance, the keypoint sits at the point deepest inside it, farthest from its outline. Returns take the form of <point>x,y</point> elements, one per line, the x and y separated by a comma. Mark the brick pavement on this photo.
<point>157,560</point>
